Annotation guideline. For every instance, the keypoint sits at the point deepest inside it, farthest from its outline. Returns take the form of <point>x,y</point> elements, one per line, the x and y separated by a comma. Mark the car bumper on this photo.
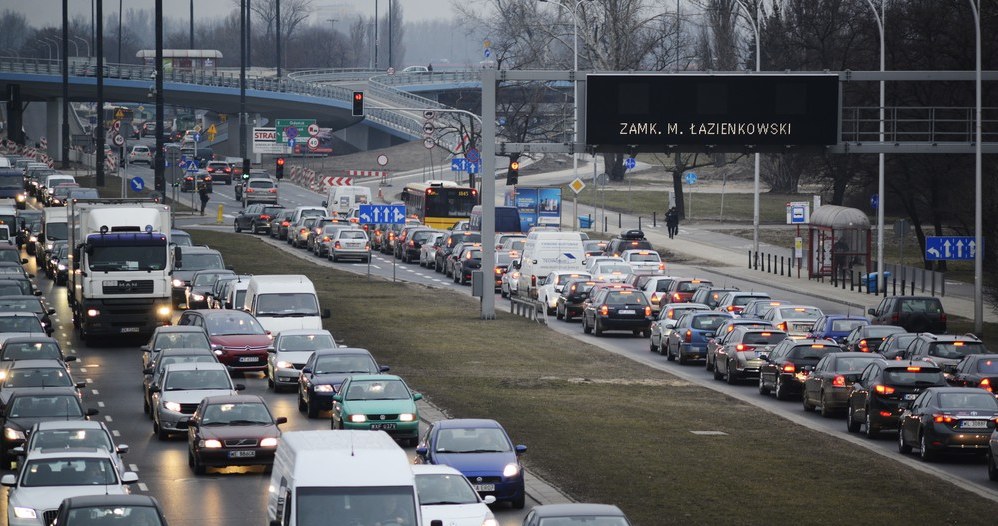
<point>359,253</point>
<point>502,491</point>
<point>239,456</point>
<point>402,429</point>
<point>618,324</point>
<point>692,350</point>
<point>261,227</point>
<point>941,436</point>
<point>286,376</point>
<point>243,360</point>
<point>324,401</point>
<point>886,414</point>
<point>837,398</point>
<point>168,420</point>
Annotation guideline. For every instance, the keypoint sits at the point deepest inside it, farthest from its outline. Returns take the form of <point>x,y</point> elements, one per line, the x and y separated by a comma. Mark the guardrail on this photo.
<point>528,308</point>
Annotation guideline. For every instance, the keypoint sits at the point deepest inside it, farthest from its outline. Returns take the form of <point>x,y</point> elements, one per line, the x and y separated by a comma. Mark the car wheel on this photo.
<point>568,317</point>
<point>597,330</point>
<point>236,227</point>
<point>312,410</point>
<point>903,448</point>
<point>992,469</point>
<point>682,357</point>
<point>160,433</point>
<point>807,405</point>
<point>731,375</point>
<point>781,390</point>
<point>558,314</point>
<point>763,389</point>
<point>652,347</point>
<point>519,502</point>
<point>646,333</point>
<point>270,382</point>
<point>301,402</point>
<point>668,352</point>
<point>333,258</point>
<point>585,325</point>
<point>717,373</point>
<point>871,431</point>
<point>851,424</point>
<point>709,365</point>
<point>927,454</point>
<point>197,467</point>
<point>145,405</point>
<point>825,410</point>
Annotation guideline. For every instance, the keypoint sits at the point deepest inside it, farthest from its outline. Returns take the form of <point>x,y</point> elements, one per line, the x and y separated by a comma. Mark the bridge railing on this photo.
<point>333,74</point>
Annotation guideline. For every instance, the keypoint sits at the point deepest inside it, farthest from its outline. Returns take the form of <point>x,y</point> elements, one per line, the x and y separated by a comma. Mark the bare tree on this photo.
<point>13,31</point>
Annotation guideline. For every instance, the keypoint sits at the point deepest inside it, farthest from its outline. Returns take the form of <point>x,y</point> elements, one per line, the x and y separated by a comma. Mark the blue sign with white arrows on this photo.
<point>458,164</point>
<point>391,214</point>
<point>137,183</point>
<point>691,178</point>
<point>630,163</point>
<point>952,248</point>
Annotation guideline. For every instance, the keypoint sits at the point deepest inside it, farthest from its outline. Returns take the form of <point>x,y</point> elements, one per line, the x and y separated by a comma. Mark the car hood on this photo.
<point>242,340</point>
<point>27,422</point>
<point>49,497</point>
<point>475,464</point>
<point>292,356</point>
<point>456,514</point>
<point>276,325</point>
<point>229,432</point>
<point>193,396</point>
<point>374,407</point>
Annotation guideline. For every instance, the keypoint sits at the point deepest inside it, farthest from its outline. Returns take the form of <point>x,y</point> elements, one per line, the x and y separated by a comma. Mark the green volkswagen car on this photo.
<point>378,402</point>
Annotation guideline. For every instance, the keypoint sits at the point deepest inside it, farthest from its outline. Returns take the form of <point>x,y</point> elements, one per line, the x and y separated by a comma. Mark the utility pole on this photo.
<point>99,154</point>
<point>244,47</point>
<point>119,30</point>
<point>64,150</point>
<point>191,46</point>
<point>277,5</point>
<point>159,177</point>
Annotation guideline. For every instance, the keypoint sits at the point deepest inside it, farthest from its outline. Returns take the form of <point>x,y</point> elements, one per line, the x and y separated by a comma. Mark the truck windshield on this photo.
<point>56,231</point>
<point>110,258</point>
<point>346,506</point>
<point>287,304</point>
<point>15,181</point>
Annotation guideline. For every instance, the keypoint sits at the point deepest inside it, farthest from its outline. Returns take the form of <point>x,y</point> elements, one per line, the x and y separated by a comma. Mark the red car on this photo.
<point>237,338</point>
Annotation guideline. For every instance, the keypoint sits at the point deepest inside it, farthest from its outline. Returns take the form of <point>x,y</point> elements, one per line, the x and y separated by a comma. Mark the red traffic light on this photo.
<point>280,161</point>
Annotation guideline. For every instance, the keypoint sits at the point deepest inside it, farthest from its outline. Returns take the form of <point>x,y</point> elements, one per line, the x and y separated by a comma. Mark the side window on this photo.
<point>922,400</point>
<point>822,363</point>
<point>185,319</point>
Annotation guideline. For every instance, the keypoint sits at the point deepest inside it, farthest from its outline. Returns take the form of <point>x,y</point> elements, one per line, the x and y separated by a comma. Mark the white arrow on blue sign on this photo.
<point>392,214</point>
<point>137,183</point>
<point>630,163</point>
<point>691,178</point>
<point>458,164</point>
<point>952,248</point>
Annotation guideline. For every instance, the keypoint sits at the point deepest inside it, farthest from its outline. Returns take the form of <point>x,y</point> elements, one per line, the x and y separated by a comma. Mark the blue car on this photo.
<point>836,327</point>
<point>688,339</point>
<point>482,451</point>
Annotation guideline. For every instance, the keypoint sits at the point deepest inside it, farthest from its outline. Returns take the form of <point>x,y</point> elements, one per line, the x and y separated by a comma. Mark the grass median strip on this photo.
<point>606,429</point>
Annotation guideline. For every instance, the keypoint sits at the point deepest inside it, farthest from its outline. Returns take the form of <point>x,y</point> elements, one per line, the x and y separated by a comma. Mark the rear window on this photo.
<point>956,350</point>
<point>618,297</point>
<point>812,351</point>
<point>690,286</point>
<point>914,376</point>
<point>800,313</point>
<point>708,322</point>
<point>651,256</point>
<point>582,288</point>
<point>968,400</point>
<point>741,301</point>
<point>922,305</point>
<point>882,331</point>
<point>623,269</point>
<point>987,366</point>
<point>261,184</point>
<point>764,338</point>
<point>353,234</point>
<point>663,285</point>
<point>846,325</point>
<point>852,364</point>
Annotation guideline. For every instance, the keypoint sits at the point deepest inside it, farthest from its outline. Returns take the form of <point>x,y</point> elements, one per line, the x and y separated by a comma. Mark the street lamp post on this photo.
<point>48,46</point>
<point>81,39</point>
<point>881,280</point>
<point>754,22</point>
<point>978,188</point>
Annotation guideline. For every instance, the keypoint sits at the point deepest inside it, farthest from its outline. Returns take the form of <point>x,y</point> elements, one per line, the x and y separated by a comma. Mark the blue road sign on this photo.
<point>797,215</point>
<point>874,201</point>
<point>458,164</point>
<point>182,164</point>
<point>197,137</point>
<point>291,143</point>
<point>691,178</point>
<point>137,183</point>
<point>630,163</point>
<point>473,168</point>
<point>473,156</point>
<point>953,248</point>
<point>392,214</point>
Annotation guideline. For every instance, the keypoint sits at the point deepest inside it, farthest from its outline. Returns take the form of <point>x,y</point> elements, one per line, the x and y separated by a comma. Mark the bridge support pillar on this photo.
<point>53,128</point>
<point>15,114</point>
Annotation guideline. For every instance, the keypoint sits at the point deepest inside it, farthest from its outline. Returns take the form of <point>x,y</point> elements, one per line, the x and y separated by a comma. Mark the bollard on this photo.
<point>894,287</point>
<point>851,282</point>
<point>639,222</point>
<point>769,263</point>
<point>750,260</point>
<point>604,224</point>
<point>781,265</point>
<point>620,224</point>
<point>654,219</point>
<point>218,216</point>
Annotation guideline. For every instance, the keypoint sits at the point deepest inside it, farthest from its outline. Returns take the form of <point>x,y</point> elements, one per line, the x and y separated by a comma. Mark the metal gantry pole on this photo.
<point>277,22</point>
<point>881,281</point>
<point>99,154</point>
<point>754,23</point>
<point>488,190</point>
<point>978,188</point>
<point>159,176</point>
<point>64,146</point>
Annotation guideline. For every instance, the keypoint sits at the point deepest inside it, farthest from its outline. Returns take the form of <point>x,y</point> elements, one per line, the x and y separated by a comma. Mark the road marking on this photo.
<point>96,392</point>
<point>90,380</point>
<point>115,432</point>
<point>83,370</point>
<point>142,486</point>
<point>375,266</point>
<point>108,418</point>
<point>133,467</point>
<point>100,404</point>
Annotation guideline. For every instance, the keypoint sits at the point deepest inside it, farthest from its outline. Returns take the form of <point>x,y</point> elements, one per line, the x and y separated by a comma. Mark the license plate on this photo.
<point>974,424</point>
<point>382,426</point>
<point>911,396</point>
<point>484,487</point>
<point>247,359</point>
<point>626,311</point>
<point>129,329</point>
<point>242,454</point>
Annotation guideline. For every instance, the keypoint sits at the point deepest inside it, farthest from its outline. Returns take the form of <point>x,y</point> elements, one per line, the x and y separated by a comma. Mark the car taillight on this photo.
<point>661,266</point>
<point>412,243</point>
<point>883,389</point>
<point>677,297</point>
<point>654,298</point>
<point>227,170</point>
<point>498,270</point>
<point>789,367</point>
<point>689,336</point>
<point>783,326</point>
<point>862,346</point>
<point>647,311</point>
<point>730,308</point>
<point>336,245</point>
<point>986,385</point>
<point>943,419</point>
<point>264,217</point>
<point>741,347</point>
<point>250,190</point>
<point>273,190</point>
<point>285,223</point>
<point>839,381</point>
<point>894,317</point>
<point>325,238</point>
<point>211,170</point>
<point>533,281</point>
<point>604,310</point>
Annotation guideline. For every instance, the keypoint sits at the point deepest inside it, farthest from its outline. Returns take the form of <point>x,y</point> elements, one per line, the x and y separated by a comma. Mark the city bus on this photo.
<point>439,204</point>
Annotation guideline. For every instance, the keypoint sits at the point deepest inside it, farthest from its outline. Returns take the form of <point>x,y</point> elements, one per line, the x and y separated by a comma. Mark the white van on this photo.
<point>342,477</point>
<point>545,252</point>
<point>283,301</point>
<point>52,180</point>
<point>341,199</point>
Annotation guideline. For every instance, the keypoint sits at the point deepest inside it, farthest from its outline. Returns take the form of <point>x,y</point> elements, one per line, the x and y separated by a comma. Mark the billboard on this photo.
<point>538,205</point>
<point>718,113</point>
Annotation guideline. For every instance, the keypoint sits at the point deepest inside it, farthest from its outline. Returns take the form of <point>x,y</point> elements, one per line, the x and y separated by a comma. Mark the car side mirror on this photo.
<point>326,313</point>
<point>271,350</point>
<point>144,348</point>
<point>129,477</point>
<point>520,449</point>
<point>384,369</point>
<point>872,312</point>
<point>81,385</point>
<point>8,480</point>
<point>240,387</point>
<point>422,451</point>
<point>281,420</point>
<point>24,261</point>
<point>69,359</point>
<point>154,389</point>
<point>337,397</point>
<point>92,412</point>
<point>51,312</point>
<point>122,449</point>
<point>17,451</point>
<point>306,370</point>
<point>417,396</point>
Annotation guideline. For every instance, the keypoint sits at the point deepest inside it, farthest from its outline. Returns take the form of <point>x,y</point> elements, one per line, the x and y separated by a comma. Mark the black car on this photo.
<point>628,240</point>
<point>827,387</point>
<point>914,313</point>
<point>894,345</point>
<point>944,350</point>
<point>220,171</point>
<point>943,419</point>
<point>280,224</point>
<point>617,309</point>
<point>192,181</point>
<point>572,296</point>
<point>136,509</point>
<point>471,260</point>
<point>410,249</point>
<point>202,284</point>
<point>28,406</point>
<point>325,370</point>
<point>233,430</point>
<point>256,218</point>
<point>976,370</point>
<point>790,363</point>
<point>34,347</point>
<point>867,338</point>
<point>33,304</point>
<point>884,389</point>
<point>448,244</point>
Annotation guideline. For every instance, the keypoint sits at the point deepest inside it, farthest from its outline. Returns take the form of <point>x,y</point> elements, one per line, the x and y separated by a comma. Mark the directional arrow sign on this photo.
<point>394,214</point>
<point>459,165</point>
<point>953,248</point>
<point>137,183</point>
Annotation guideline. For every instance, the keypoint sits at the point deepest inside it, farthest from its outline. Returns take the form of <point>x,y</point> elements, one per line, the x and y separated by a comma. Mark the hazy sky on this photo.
<point>48,12</point>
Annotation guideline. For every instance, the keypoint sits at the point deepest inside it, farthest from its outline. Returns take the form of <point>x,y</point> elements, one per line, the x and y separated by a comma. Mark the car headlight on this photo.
<point>178,283</point>
<point>324,388</point>
<point>13,434</point>
<point>285,365</point>
<point>60,267</point>
<point>93,313</point>
<point>268,442</point>
<point>511,470</point>
<point>25,513</point>
<point>211,443</point>
<point>358,419</point>
<point>490,521</point>
<point>3,375</point>
<point>197,297</point>
<point>407,417</point>
<point>172,406</point>
<point>33,239</point>
<point>48,246</point>
<point>164,311</point>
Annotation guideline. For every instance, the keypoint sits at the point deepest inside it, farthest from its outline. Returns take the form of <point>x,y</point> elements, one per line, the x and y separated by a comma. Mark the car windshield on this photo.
<point>344,363</point>
<point>31,351</point>
<point>69,472</point>
<point>236,414</point>
<point>205,279</point>
<point>195,380</point>
<point>763,338</point>
<point>202,261</point>
<point>378,390</point>
<point>846,325</point>
<point>305,342</point>
<point>32,305</point>
<point>914,376</point>
<point>583,520</point>
<point>800,313</point>
<point>181,340</point>
<point>68,438</point>
<point>114,515</point>
<point>901,341</point>
<point>651,256</point>
<point>444,489</point>
<point>956,350</point>
<point>37,377</point>
<point>261,184</point>
<point>612,268</point>
<point>472,440</point>
<point>287,304</point>
<point>987,366</point>
<point>186,358</point>
<point>708,322</point>
<point>20,324</point>
<point>233,323</point>
<point>45,406</point>
<point>349,505</point>
<point>179,239</point>
<point>968,400</point>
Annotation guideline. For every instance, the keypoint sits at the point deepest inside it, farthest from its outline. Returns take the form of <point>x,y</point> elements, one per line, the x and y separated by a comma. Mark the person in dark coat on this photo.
<point>672,222</point>
<point>203,194</point>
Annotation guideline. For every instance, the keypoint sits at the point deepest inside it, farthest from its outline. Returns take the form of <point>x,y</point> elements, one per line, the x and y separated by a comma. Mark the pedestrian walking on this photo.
<point>203,194</point>
<point>672,222</point>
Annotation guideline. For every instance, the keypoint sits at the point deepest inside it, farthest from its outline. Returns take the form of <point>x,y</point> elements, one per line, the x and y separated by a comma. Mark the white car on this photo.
<point>140,153</point>
<point>655,290</point>
<point>428,250</point>
<point>795,320</point>
<point>553,283</point>
<point>446,495</point>
<point>510,280</point>
<point>612,271</point>
<point>350,243</point>
<point>592,261</point>
<point>36,491</point>
<point>291,350</point>
<point>67,434</point>
<point>184,385</point>
<point>644,261</point>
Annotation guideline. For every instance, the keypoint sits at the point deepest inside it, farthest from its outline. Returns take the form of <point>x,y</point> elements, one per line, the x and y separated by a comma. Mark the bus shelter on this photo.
<point>839,241</point>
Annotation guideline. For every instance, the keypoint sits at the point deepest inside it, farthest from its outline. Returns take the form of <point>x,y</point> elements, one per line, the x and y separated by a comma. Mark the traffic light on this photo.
<point>246,169</point>
<point>358,104</point>
<point>513,173</point>
<point>279,171</point>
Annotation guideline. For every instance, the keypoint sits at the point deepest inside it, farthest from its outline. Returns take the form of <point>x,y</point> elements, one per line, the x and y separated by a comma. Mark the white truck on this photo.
<point>545,252</point>
<point>120,279</point>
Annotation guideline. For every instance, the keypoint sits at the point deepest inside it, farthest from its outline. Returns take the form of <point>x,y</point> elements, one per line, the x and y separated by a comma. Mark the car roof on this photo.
<point>69,452</point>
<point>434,469</point>
<point>32,339</point>
<point>235,399</point>
<point>196,366</point>
<point>467,423</point>
<point>370,377</point>
<point>300,332</point>
<point>44,391</point>
<point>198,249</point>
<point>69,424</point>
<point>178,328</point>
<point>577,508</point>
<point>38,364</point>
<point>87,501</point>
<point>342,350</point>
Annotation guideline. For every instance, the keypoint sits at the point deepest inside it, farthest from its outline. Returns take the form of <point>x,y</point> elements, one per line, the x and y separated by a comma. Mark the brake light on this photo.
<point>783,326</point>
<point>730,308</point>
<point>862,346</point>
<point>943,419</point>
<point>839,381</point>
<point>654,299</point>
<point>741,347</point>
<point>647,311</point>
<point>227,170</point>
<point>883,389</point>
<point>211,170</point>
<point>264,217</point>
<point>273,190</point>
<point>250,190</point>
<point>677,297</point>
<point>325,238</point>
<point>285,223</point>
<point>533,281</point>
<point>689,336</point>
<point>913,369</point>
<point>498,270</point>
<point>661,266</point>
<point>986,385</point>
<point>789,367</point>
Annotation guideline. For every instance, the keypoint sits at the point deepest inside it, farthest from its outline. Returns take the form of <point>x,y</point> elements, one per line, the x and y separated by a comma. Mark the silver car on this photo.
<point>183,387</point>
<point>291,350</point>
<point>350,243</point>
<point>259,190</point>
<point>667,318</point>
<point>59,434</point>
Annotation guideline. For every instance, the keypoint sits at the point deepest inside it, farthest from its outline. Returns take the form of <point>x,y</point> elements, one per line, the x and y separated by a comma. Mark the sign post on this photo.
<point>390,214</point>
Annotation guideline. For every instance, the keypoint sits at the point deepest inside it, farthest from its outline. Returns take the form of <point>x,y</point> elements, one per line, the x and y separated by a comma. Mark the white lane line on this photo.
<point>115,433</point>
<point>95,391</point>
<point>83,370</point>
<point>133,467</point>
<point>142,486</point>
<point>90,380</point>
<point>108,418</point>
<point>375,266</point>
<point>72,351</point>
<point>100,404</point>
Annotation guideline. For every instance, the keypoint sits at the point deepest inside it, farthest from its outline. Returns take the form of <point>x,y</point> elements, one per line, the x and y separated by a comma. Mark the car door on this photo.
<point>860,391</point>
<point>959,377</point>
<point>911,417</point>
<point>812,385</point>
<point>769,368</point>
